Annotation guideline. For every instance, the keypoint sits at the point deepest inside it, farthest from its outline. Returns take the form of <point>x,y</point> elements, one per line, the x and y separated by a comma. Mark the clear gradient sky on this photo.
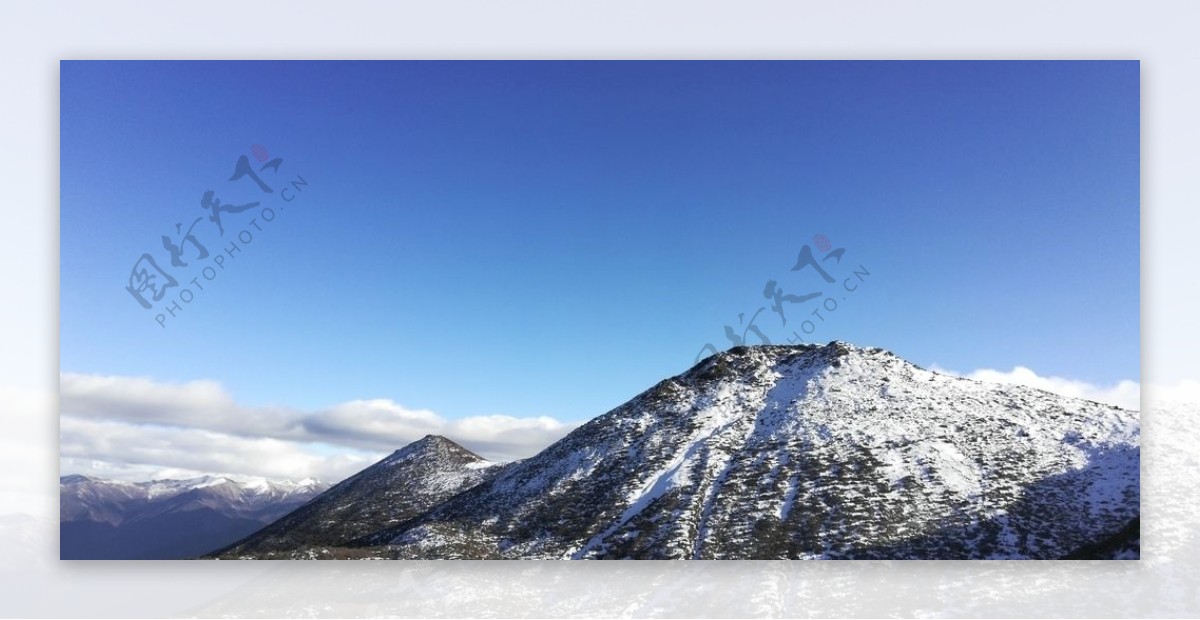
<point>551,238</point>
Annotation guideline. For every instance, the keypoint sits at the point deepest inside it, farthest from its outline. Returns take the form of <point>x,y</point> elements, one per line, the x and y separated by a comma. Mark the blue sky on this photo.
<point>552,238</point>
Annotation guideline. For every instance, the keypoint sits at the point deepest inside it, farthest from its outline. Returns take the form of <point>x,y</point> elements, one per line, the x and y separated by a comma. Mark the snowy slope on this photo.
<point>805,452</point>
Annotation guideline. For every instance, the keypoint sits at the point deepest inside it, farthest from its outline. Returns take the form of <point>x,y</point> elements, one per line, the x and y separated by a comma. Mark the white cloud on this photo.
<point>1125,394</point>
<point>135,428</point>
<point>194,404</point>
<point>505,435</point>
<point>122,447</point>
<point>138,428</point>
<point>371,422</point>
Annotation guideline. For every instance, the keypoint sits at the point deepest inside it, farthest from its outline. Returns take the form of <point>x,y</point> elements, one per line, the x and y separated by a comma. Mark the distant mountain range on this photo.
<point>801,452</point>
<point>168,519</point>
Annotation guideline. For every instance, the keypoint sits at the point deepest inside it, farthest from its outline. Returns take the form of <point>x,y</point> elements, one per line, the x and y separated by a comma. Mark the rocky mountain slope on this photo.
<point>168,519</point>
<point>398,488</point>
<point>802,452</point>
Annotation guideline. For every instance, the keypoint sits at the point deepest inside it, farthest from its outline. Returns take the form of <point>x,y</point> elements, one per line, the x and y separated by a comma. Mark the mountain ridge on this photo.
<point>168,519</point>
<point>882,458</point>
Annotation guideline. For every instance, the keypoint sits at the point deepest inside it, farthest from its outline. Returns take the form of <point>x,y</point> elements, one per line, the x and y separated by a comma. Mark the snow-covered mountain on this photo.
<point>807,451</point>
<point>164,519</point>
<point>398,488</point>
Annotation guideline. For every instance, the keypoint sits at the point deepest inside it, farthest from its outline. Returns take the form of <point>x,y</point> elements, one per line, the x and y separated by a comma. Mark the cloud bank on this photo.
<point>138,428</point>
<point>1125,394</point>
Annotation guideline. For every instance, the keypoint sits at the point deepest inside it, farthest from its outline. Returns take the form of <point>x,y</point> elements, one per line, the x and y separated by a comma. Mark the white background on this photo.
<point>35,36</point>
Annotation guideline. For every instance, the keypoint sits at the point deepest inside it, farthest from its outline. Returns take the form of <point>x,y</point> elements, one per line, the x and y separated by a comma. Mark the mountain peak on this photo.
<point>434,446</point>
<point>833,348</point>
<point>435,440</point>
<point>401,486</point>
<point>757,361</point>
